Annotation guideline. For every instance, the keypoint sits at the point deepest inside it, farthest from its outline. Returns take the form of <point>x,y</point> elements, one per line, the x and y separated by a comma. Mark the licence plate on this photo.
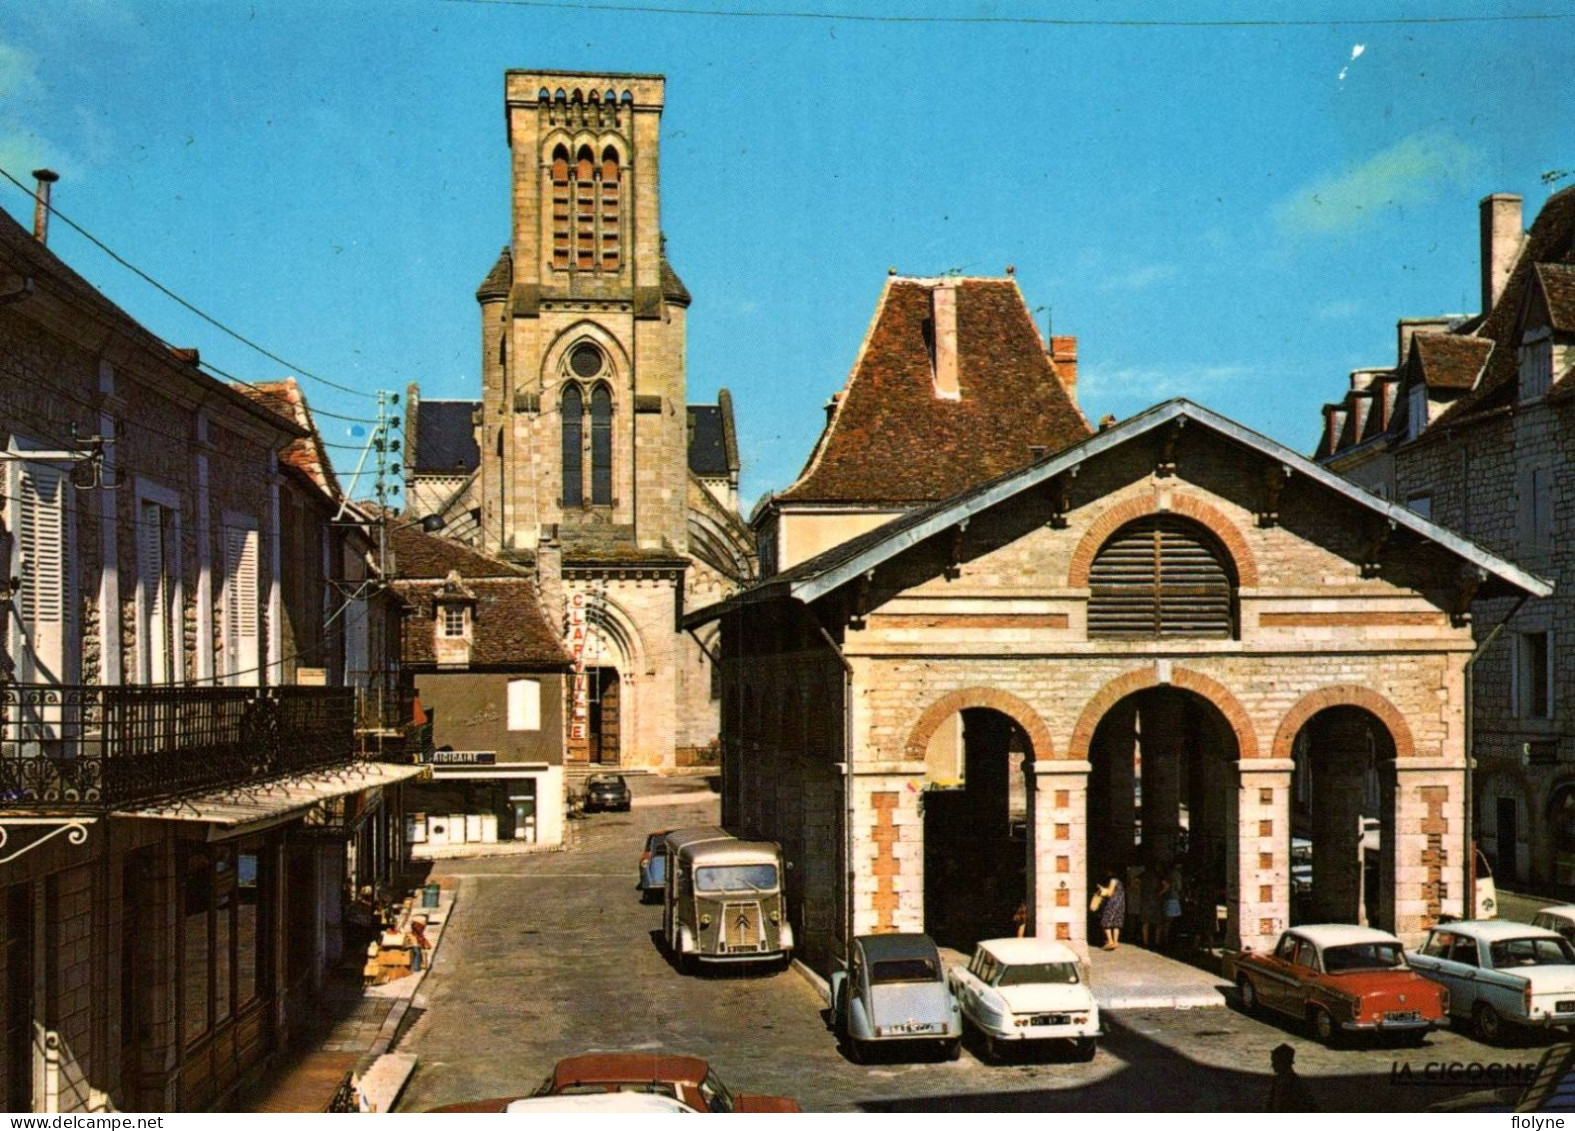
<point>1564,1007</point>
<point>1050,1019</point>
<point>913,1027</point>
<point>1406,1015</point>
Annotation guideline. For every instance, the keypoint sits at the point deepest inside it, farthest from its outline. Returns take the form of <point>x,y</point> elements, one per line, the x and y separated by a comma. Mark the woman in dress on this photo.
<point>1112,911</point>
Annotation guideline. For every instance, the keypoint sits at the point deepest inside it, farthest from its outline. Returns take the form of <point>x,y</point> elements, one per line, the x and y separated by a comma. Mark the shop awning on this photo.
<point>251,807</point>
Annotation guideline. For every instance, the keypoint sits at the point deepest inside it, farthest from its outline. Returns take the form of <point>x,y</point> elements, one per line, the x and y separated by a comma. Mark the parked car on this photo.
<point>895,994</point>
<point>688,1080</point>
<point>607,791</point>
<point>1018,990</point>
<point>1501,974</point>
<point>1341,980</point>
<point>653,867</point>
<point>724,900</point>
<point>1560,918</point>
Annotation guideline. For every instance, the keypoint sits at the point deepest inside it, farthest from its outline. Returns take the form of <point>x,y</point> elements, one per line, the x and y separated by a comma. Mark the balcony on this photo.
<point>68,749</point>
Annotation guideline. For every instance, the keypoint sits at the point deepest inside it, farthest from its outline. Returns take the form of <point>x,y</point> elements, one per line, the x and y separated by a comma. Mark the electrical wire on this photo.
<point>162,289</point>
<point>1013,21</point>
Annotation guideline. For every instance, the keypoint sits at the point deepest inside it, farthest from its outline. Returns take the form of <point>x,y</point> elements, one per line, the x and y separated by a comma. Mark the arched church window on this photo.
<point>609,216</point>
<point>601,446</point>
<point>1162,576</point>
<point>573,416</point>
<point>584,209</point>
<point>560,207</point>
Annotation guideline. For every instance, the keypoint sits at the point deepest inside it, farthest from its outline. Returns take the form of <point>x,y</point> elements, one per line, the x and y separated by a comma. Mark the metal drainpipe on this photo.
<point>847,792</point>
<point>1468,908</point>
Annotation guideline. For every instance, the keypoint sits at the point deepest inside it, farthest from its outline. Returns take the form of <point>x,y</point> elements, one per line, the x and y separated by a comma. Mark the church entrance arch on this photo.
<point>1161,797</point>
<point>604,650</point>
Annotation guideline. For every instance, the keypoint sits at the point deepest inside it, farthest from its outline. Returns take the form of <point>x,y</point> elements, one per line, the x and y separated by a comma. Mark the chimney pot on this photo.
<point>1500,220</point>
<point>45,178</point>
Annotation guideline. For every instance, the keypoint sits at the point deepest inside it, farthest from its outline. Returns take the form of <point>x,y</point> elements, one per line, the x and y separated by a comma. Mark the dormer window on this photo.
<point>452,620</point>
<point>1416,420</point>
<point>1536,364</point>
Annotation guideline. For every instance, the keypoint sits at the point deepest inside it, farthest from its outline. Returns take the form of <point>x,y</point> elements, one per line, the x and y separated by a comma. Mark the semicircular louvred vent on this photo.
<point>1162,576</point>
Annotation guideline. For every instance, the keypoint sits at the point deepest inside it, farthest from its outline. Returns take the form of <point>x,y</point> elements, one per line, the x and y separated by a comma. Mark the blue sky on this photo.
<point>1236,215</point>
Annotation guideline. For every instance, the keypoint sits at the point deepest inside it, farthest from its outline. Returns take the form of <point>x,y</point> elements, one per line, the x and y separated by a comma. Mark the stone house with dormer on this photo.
<point>1481,440</point>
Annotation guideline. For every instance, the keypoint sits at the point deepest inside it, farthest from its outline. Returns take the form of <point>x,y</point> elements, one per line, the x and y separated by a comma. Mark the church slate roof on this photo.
<point>500,280</point>
<point>892,440</point>
<point>707,448</point>
<point>446,438</point>
<point>673,289</point>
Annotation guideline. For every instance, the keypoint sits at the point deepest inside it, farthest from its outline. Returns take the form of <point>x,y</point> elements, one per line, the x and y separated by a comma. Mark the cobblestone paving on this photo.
<point>554,955</point>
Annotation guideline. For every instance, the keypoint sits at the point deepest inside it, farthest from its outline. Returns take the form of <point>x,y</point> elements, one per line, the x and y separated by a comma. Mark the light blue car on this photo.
<point>1501,974</point>
<point>895,994</point>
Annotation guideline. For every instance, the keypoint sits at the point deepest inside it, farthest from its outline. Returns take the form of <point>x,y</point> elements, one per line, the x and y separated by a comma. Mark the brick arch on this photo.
<point>1344,695</point>
<point>1217,695</point>
<point>1188,506</point>
<point>1008,704</point>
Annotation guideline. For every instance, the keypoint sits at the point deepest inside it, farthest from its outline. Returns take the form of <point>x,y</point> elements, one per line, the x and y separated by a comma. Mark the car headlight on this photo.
<point>705,920</point>
<point>776,916</point>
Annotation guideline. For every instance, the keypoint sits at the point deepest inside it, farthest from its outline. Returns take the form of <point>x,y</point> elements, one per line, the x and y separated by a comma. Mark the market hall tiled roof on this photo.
<point>893,440</point>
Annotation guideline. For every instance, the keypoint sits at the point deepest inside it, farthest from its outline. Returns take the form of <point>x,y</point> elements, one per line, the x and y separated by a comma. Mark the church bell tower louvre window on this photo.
<point>584,198</point>
<point>1162,576</point>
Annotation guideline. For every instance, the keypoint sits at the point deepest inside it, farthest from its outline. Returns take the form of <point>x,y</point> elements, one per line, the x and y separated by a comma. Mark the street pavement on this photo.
<point>550,955</point>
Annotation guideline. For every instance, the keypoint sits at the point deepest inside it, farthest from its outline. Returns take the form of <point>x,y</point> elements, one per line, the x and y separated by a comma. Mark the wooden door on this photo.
<point>16,1079</point>
<point>607,742</point>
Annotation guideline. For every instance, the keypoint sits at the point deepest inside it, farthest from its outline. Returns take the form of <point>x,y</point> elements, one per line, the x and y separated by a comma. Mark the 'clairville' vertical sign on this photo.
<point>579,716</point>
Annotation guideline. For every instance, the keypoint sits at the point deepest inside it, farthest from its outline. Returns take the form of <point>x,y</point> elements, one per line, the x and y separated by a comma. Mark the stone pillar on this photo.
<point>1058,881</point>
<point>1162,722</point>
<point>1429,828</point>
<point>888,848</point>
<point>1257,853</point>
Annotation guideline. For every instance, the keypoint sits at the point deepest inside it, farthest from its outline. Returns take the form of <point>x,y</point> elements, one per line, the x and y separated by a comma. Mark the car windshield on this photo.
<point>894,970</point>
<point>1363,956</point>
<point>1039,974</point>
<point>654,842</point>
<point>1531,952</point>
<point>606,783</point>
<point>736,877</point>
<point>717,1097</point>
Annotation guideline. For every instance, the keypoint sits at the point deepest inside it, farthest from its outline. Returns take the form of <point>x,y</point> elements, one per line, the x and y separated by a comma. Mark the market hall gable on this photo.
<point>1167,645</point>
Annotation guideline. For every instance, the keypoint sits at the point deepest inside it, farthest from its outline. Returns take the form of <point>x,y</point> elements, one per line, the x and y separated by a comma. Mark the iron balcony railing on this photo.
<point>97,748</point>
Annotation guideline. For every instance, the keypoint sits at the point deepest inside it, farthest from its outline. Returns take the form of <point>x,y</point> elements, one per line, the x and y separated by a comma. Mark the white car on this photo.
<point>1501,974</point>
<point>1560,918</point>
<point>1027,990</point>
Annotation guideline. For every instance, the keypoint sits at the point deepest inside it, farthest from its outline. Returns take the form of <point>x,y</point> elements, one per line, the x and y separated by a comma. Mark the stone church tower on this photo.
<point>586,457</point>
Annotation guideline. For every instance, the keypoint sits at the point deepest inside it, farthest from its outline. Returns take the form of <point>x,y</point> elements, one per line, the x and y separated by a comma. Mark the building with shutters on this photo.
<point>582,458</point>
<point>180,779</point>
<point>1470,427</point>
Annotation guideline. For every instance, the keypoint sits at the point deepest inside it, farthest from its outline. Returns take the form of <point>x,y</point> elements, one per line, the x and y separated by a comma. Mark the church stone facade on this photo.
<point>586,458</point>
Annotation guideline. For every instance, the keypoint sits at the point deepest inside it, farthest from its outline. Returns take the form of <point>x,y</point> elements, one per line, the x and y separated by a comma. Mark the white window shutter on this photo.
<point>43,603</point>
<point>240,605</point>
<point>524,704</point>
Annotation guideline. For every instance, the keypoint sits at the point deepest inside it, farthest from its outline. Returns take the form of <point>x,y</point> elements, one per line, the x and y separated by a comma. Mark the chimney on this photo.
<point>831,406</point>
<point>1408,328</point>
<point>1501,236</point>
<point>1063,355</point>
<point>45,178</point>
<point>943,351</point>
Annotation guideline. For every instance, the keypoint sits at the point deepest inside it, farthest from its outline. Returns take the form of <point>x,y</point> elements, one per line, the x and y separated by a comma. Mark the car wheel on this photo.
<point>952,1050</point>
<point>992,1049</point>
<point>1249,995</point>
<point>1084,1048</point>
<point>1324,1028</point>
<point>1489,1023</point>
